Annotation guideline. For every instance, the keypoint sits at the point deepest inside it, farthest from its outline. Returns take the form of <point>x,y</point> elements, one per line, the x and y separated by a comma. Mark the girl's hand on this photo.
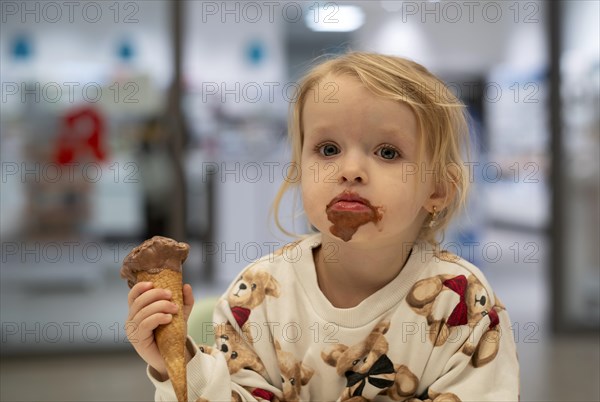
<point>149,308</point>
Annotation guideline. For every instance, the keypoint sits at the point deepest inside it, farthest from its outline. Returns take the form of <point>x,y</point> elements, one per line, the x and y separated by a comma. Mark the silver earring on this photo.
<point>434,216</point>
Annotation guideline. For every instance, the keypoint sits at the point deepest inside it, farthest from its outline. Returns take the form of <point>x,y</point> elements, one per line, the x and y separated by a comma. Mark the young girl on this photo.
<point>368,308</point>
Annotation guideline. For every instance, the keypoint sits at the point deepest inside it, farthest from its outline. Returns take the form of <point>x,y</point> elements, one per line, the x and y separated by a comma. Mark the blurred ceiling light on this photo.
<point>332,17</point>
<point>402,39</point>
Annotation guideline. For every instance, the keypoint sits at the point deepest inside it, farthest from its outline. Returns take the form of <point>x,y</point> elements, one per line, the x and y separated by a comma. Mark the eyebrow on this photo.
<point>391,133</point>
<point>398,134</point>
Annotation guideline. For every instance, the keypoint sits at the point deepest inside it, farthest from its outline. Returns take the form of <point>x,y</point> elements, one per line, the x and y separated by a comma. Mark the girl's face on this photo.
<point>357,144</point>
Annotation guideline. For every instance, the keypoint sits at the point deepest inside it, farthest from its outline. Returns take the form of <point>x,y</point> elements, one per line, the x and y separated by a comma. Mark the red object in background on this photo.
<point>82,132</point>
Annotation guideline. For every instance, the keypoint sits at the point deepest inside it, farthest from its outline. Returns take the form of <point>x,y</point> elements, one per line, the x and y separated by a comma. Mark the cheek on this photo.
<point>311,198</point>
<point>313,212</point>
<point>408,196</point>
<point>402,201</point>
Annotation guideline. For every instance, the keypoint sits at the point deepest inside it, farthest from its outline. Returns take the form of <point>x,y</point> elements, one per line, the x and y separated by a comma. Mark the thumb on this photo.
<point>188,300</point>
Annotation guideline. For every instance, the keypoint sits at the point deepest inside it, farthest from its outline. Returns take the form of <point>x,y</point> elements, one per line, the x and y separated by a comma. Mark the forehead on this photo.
<point>344,102</point>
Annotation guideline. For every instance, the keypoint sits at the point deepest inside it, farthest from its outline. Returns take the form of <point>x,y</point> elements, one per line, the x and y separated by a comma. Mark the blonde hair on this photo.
<point>442,122</point>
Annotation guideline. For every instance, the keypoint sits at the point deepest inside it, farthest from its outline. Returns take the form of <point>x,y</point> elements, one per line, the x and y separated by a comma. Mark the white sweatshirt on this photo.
<point>435,332</point>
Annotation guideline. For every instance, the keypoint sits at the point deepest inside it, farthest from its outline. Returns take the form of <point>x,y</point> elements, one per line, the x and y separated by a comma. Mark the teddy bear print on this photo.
<point>206,349</point>
<point>294,374</point>
<point>257,393</point>
<point>235,397</point>
<point>288,250</point>
<point>474,304</point>
<point>237,354</point>
<point>432,396</point>
<point>238,357</point>
<point>487,348</point>
<point>369,371</point>
<point>248,292</point>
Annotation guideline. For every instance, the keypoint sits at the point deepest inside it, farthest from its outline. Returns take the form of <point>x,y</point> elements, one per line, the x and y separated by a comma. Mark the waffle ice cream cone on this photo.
<point>159,260</point>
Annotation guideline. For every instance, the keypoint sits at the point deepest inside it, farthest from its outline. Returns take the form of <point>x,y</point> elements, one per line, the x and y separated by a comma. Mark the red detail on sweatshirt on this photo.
<point>240,314</point>
<point>459,314</point>
<point>261,393</point>
<point>494,319</point>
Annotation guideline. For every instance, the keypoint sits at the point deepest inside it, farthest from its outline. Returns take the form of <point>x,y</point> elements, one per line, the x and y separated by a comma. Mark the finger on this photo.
<point>137,290</point>
<point>147,298</point>
<point>188,301</point>
<point>188,295</point>
<point>154,320</point>
<point>157,307</point>
<point>142,331</point>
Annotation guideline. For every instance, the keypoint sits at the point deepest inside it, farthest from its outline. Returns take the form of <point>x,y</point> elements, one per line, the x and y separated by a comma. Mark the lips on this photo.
<point>349,201</point>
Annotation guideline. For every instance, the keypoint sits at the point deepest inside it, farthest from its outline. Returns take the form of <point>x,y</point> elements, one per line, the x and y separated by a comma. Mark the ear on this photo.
<point>406,382</point>
<point>442,194</point>
<point>424,292</point>
<point>223,328</point>
<point>439,332</point>
<point>271,286</point>
<point>382,327</point>
<point>474,281</point>
<point>445,255</point>
<point>206,349</point>
<point>332,356</point>
<point>277,346</point>
<point>498,304</point>
<point>487,349</point>
<point>306,374</point>
<point>468,349</point>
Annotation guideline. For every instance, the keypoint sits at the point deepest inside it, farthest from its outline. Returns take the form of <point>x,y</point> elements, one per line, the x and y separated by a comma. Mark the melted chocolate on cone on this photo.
<point>154,255</point>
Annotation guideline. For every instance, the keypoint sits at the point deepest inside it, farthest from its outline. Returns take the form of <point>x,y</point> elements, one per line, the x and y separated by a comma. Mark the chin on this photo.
<point>362,235</point>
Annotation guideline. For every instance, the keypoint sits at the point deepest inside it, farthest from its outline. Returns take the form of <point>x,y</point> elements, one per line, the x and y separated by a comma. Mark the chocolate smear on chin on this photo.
<point>346,223</point>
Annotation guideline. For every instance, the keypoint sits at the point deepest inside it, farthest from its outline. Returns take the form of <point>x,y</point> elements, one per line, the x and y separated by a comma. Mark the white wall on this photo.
<point>80,42</point>
<point>454,37</point>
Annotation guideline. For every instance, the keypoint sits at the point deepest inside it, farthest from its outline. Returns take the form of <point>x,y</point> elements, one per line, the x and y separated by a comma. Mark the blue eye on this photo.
<point>328,149</point>
<point>387,152</point>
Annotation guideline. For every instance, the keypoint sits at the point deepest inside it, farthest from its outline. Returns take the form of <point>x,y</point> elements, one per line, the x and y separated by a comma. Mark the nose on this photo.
<point>352,169</point>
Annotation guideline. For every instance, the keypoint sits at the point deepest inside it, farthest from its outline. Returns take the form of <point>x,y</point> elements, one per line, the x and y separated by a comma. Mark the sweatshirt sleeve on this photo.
<point>483,368</point>
<point>229,370</point>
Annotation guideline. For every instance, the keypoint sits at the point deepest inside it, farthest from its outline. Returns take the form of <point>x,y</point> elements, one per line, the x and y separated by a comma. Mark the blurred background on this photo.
<point>125,119</point>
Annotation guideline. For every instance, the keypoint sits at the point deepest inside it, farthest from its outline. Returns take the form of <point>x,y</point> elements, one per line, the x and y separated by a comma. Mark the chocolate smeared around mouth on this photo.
<point>346,223</point>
